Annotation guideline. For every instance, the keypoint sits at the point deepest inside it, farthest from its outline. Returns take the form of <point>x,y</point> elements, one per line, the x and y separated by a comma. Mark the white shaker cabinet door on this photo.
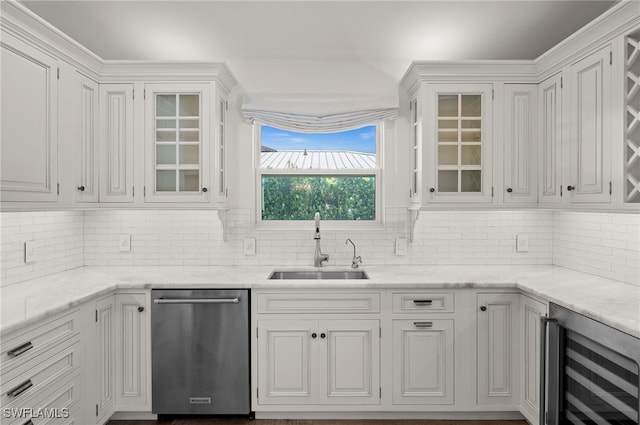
<point>423,361</point>
<point>116,150</point>
<point>497,362</point>
<point>349,361</point>
<point>287,362</point>
<point>86,135</point>
<point>29,118</point>
<point>132,389</point>
<point>530,313</point>
<point>520,143</point>
<point>105,359</point>
<point>591,128</point>
<point>551,127</point>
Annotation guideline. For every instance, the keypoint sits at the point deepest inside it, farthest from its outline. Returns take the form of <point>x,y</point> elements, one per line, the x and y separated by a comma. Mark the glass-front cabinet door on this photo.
<point>177,143</point>
<point>458,143</point>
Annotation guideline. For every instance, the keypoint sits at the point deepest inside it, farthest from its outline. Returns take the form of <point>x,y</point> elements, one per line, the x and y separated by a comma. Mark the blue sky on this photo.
<point>359,140</point>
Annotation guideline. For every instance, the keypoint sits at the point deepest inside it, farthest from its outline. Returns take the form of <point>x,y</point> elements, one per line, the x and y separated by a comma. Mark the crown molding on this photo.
<point>620,19</point>
<point>489,70</point>
<point>120,71</point>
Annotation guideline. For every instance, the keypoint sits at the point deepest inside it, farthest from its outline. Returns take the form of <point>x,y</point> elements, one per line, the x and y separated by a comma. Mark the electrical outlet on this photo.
<point>30,252</point>
<point>249,246</point>
<point>401,246</point>
<point>522,242</point>
<point>125,243</point>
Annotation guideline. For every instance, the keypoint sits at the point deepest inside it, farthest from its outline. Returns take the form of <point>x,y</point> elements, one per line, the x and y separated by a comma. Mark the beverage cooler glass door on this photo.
<point>592,372</point>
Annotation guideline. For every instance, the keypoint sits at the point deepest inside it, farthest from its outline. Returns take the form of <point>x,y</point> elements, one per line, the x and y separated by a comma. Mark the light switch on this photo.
<point>522,242</point>
<point>401,246</point>
<point>30,252</point>
<point>249,246</point>
<point>125,243</point>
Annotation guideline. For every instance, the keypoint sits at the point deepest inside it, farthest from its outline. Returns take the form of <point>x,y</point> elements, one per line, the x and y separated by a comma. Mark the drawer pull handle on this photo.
<point>423,302</point>
<point>20,350</point>
<point>423,324</point>
<point>20,389</point>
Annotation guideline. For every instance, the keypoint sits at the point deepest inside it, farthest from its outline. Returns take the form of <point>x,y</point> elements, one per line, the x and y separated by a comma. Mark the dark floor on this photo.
<point>212,421</point>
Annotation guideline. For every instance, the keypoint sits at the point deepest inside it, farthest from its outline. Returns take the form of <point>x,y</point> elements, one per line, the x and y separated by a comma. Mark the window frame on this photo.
<point>377,172</point>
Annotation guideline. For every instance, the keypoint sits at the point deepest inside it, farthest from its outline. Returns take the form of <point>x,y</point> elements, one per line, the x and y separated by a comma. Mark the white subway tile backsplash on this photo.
<point>58,237</point>
<point>603,244</point>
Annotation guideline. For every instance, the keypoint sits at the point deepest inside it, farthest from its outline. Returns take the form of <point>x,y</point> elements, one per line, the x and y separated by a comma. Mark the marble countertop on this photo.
<point>614,303</point>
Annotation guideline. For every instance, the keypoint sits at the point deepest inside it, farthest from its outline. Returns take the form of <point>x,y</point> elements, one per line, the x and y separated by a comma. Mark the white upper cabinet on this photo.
<point>458,142</point>
<point>590,122</point>
<point>116,143</point>
<point>29,118</point>
<point>86,134</point>
<point>178,142</point>
<point>550,125</point>
<point>222,107</point>
<point>520,143</point>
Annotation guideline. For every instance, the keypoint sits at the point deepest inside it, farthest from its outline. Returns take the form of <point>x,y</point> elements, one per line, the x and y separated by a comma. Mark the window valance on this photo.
<point>318,113</point>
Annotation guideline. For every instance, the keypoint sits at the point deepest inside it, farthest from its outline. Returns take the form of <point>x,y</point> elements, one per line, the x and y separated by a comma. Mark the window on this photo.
<point>336,174</point>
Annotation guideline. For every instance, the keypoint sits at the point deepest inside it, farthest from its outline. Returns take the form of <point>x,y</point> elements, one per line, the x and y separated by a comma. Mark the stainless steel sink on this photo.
<point>319,274</point>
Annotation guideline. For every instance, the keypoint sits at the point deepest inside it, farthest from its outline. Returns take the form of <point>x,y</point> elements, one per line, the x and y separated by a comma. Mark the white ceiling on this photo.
<point>364,31</point>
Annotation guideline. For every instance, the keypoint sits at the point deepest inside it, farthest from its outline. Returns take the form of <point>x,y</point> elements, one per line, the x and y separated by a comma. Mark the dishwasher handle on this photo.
<point>235,300</point>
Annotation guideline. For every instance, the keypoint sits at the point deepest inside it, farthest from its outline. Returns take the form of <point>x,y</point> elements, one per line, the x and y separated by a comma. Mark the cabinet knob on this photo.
<point>483,308</point>
<point>204,189</point>
<point>81,188</point>
<point>314,335</point>
<point>140,309</point>
<point>323,335</point>
<point>509,190</point>
<point>570,188</point>
<point>432,189</point>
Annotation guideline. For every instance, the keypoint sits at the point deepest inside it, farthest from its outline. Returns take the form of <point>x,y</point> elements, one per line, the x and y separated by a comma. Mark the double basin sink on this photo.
<point>318,274</point>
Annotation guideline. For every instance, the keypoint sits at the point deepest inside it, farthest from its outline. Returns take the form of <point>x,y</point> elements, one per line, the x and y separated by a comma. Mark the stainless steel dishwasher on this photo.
<point>200,352</point>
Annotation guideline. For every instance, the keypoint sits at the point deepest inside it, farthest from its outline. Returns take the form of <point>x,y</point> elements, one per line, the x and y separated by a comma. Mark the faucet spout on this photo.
<point>357,260</point>
<point>319,257</point>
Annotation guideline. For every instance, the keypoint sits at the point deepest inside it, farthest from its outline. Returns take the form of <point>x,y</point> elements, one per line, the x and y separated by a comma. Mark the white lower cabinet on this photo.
<point>423,361</point>
<point>318,361</point>
<point>132,367</point>
<point>497,345</point>
<point>40,370</point>
<point>530,312</point>
<point>100,374</point>
<point>116,343</point>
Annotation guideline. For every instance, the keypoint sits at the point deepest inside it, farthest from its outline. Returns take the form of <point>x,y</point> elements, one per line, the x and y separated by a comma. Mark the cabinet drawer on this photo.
<point>21,384</point>
<point>23,346</point>
<point>56,404</point>
<point>432,302</point>
<point>319,303</point>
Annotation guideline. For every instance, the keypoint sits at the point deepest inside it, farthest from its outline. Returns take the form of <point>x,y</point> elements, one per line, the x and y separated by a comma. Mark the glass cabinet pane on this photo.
<point>447,181</point>
<point>470,181</point>
<point>447,155</point>
<point>471,105</point>
<point>165,154</point>
<point>177,143</point>
<point>189,181</point>
<point>165,181</point>
<point>471,155</point>
<point>189,154</point>
<point>189,105</point>
<point>459,142</point>
<point>166,105</point>
<point>448,105</point>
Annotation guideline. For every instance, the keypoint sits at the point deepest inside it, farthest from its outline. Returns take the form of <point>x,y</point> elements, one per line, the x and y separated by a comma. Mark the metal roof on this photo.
<point>307,160</point>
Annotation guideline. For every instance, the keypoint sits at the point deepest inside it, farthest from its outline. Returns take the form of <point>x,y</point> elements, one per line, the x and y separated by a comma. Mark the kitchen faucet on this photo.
<point>319,256</point>
<point>356,259</point>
